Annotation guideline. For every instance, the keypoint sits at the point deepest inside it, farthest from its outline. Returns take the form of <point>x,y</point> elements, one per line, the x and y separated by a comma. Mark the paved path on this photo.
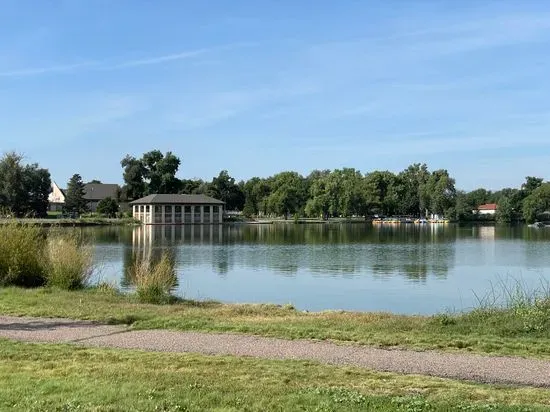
<point>488,369</point>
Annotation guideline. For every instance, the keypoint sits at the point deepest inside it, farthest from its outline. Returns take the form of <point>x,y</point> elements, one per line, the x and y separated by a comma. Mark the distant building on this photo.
<point>168,209</point>
<point>96,192</point>
<point>56,198</point>
<point>487,209</point>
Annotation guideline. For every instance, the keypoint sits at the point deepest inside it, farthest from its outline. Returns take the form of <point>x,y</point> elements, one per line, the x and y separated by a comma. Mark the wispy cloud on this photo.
<point>36,71</point>
<point>68,119</point>
<point>158,60</point>
<point>106,65</point>
<point>209,109</point>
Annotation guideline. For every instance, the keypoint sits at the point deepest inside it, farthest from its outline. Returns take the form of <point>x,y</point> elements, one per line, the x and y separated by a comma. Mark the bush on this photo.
<point>154,282</point>
<point>108,207</point>
<point>22,255</point>
<point>69,262</point>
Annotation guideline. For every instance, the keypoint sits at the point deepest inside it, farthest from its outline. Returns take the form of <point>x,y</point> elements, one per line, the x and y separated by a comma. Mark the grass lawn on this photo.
<point>492,331</point>
<point>46,377</point>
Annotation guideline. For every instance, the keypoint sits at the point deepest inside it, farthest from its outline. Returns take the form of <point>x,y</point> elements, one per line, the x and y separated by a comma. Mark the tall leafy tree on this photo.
<point>439,192</point>
<point>531,184</point>
<point>505,211</point>
<point>153,173</point>
<point>38,185</point>
<point>318,203</point>
<point>288,195</point>
<point>160,171</point>
<point>224,187</point>
<point>12,190</point>
<point>134,178</point>
<point>383,192</point>
<point>24,189</point>
<point>537,202</point>
<point>413,198</point>
<point>74,196</point>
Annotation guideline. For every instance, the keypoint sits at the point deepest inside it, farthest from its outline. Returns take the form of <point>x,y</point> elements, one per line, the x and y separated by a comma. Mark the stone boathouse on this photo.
<point>166,209</point>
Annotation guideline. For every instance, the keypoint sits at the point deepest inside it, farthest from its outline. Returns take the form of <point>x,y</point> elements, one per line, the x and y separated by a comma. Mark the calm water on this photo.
<point>405,269</point>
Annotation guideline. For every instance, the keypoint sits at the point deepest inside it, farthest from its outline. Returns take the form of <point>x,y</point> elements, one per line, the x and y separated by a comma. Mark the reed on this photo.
<point>154,282</point>
<point>69,262</point>
<point>22,250</point>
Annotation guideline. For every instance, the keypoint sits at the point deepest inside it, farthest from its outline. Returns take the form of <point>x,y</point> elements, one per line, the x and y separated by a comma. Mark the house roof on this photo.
<point>100,191</point>
<point>488,206</point>
<point>177,199</point>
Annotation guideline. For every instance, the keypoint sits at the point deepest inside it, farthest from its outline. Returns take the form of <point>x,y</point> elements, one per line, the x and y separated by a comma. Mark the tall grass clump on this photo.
<point>69,262</point>
<point>515,308</point>
<point>154,282</point>
<point>22,255</point>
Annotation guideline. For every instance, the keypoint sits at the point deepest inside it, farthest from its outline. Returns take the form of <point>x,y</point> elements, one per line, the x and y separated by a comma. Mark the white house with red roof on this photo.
<point>486,209</point>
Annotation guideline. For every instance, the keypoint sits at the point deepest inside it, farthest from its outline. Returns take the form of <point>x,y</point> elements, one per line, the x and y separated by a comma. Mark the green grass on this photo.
<point>83,221</point>
<point>154,281</point>
<point>31,256</point>
<point>22,255</point>
<point>45,377</point>
<point>487,331</point>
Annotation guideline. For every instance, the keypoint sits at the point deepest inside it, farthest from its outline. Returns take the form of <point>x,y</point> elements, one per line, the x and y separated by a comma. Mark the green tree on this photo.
<point>318,203</point>
<point>536,203</point>
<point>505,211</point>
<point>24,189</point>
<point>223,187</point>
<point>531,184</point>
<point>413,197</point>
<point>256,191</point>
<point>153,173</point>
<point>134,172</point>
<point>439,192</point>
<point>160,171</point>
<point>289,194</point>
<point>38,185</point>
<point>74,197</point>
<point>478,197</point>
<point>12,191</point>
<point>382,193</point>
<point>462,209</point>
<point>191,186</point>
<point>108,207</point>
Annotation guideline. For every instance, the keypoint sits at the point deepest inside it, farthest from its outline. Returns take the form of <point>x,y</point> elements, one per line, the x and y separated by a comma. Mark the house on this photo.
<point>168,209</point>
<point>486,209</point>
<point>56,198</point>
<point>96,192</point>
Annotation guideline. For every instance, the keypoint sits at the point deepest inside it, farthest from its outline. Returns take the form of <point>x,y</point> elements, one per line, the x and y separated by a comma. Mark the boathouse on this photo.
<point>167,209</point>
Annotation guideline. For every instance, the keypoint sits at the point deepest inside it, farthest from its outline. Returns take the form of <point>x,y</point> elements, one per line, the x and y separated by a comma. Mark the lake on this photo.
<point>409,269</point>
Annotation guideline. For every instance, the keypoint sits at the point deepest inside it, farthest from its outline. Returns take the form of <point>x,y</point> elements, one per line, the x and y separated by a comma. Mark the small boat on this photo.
<point>537,225</point>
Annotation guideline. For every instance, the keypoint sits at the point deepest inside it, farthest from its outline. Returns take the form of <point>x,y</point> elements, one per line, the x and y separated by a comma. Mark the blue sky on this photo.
<point>258,87</point>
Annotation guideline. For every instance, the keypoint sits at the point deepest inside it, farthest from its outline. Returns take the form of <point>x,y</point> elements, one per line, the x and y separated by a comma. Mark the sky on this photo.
<point>260,87</point>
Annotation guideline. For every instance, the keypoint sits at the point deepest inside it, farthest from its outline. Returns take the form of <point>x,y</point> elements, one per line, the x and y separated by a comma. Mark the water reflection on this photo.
<point>408,268</point>
<point>324,250</point>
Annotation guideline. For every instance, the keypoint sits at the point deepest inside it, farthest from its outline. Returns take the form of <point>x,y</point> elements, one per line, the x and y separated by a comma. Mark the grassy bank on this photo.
<point>85,221</point>
<point>489,331</point>
<point>70,378</point>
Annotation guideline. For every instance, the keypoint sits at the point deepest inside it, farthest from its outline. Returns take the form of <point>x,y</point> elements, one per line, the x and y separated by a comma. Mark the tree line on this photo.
<point>347,192</point>
<point>415,191</point>
<point>25,188</point>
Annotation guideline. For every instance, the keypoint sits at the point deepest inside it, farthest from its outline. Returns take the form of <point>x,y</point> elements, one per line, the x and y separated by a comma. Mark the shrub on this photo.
<point>22,255</point>
<point>69,262</point>
<point>154,282</point>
